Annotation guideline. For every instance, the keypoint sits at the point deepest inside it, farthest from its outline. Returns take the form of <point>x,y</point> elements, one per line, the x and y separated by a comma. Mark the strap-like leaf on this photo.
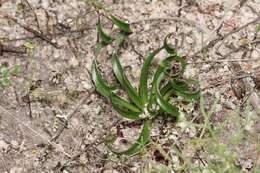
<point>126,113</point>
<point>104,37</point>
<point>123,103</point>
<point>100,84</point>
<point>124,108</point>
<point>126,85</point>
<point>137,146</point>
<point>121,24</point>
<point>167,91</point>
<point>143,89</point>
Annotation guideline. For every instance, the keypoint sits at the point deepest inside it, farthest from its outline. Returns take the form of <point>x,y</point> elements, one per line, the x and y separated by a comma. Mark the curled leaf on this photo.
<point>157,84</point>
<point>182,88</point>
<point>168,47</point>
<point>163,66</point>
<point>164,103</point>
<point>173,71</point>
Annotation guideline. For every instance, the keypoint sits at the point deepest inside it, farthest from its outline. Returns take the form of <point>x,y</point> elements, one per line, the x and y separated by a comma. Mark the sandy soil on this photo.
<point>52,97</point>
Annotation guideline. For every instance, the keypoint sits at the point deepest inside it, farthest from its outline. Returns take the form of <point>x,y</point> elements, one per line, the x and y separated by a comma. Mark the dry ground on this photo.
<point>52,97</point>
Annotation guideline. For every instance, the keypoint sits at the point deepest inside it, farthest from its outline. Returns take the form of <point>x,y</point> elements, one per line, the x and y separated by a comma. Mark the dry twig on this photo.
<point>36,33</point>
<point>44,138</point>
<point>221,38</point>
<point>60,130</point>
<point>177,19</point>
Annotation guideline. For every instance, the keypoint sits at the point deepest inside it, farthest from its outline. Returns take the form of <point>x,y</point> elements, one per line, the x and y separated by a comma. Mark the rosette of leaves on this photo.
<point>149,101</point>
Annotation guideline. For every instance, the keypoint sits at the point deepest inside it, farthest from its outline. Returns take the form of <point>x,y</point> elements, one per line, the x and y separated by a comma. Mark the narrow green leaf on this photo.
<point>124,112</point>
<point>114,86</point>
<point>164,65</point>
<point>169,93</point>
<point>165,89</point>
<point>153,95</point>
<point>137,146</point>
<point>126,85</point>
<point>124,108</point>
<point>104,37</point>
<point>143,89</point>
<point>153,107</point>
<point>100,84</point>
<point>123,103</point>
<point>125,27</point>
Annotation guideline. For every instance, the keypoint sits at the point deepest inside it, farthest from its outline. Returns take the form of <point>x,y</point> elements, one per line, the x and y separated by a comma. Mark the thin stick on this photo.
<point>214,41</point>
<point>101,139</point>
<point>59,148</point>
<point>81,30</point>
<point>60,130</point>
<point>179,19</point>
<point>5,166</point>
<point>34,32</point>
<point>35,16</point>
<point>224,60</point>
<point>231,78</point>
<point>5,49</point>
<point>219,24</point>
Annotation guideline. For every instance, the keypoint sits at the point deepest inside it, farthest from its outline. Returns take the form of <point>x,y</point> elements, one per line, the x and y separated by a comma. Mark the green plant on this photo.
<point>28,45</point>
<point>219,144</point>
<point>6,73</point>
<point>258,28</point>
<point>167,86</point>
<point>216,148</point>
